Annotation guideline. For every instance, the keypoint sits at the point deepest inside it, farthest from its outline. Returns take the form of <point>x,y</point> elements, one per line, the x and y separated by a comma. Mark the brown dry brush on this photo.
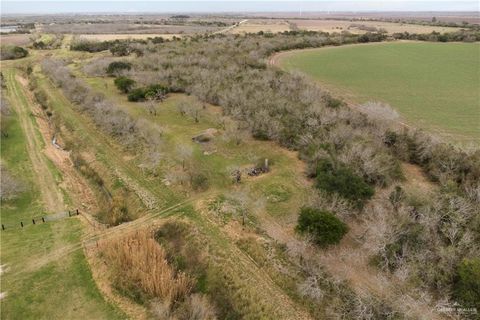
<point>137,262</point>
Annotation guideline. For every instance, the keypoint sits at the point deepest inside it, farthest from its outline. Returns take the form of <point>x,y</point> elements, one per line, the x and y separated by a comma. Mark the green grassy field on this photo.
<point>61,289</point>
<point>433,85</point>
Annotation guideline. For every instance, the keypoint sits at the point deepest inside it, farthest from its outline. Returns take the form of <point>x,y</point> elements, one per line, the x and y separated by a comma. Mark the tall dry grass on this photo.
<point>138,261</point>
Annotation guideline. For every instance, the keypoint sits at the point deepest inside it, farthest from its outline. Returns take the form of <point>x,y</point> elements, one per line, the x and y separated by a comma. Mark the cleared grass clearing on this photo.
<point>345,25</point>
<point>56,290</point>
<point>432,85</point>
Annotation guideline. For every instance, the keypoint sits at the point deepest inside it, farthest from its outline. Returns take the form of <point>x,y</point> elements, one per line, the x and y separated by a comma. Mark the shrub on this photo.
<point>12,52</point>
<point>124,84</point>
<point>343,181</point>
<point>41,98</point>
<point>323,226</point>
<point>467,284</point>
<point>89,45</point>
<point>118,66</point>
<point>199,181</point>
<point>136,95</point>
<point>120,49</point>
<point>155,91</point>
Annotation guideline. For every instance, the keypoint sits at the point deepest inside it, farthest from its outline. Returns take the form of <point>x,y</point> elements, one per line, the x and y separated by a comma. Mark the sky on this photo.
<point>90,6</point>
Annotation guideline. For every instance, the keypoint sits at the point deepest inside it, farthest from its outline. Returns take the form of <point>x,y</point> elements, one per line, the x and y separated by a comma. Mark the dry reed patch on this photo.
<point>140,269</point>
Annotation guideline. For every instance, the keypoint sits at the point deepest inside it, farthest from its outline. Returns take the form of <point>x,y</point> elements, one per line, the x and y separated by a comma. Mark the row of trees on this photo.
<point>134,134</point>
<point>462,35</point>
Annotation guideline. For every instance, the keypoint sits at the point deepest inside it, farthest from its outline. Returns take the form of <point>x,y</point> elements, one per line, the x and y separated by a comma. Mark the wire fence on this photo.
<point>41,219</point>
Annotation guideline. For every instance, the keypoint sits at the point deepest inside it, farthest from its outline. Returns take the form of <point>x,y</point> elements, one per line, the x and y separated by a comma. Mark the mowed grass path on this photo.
<point>434,86</point>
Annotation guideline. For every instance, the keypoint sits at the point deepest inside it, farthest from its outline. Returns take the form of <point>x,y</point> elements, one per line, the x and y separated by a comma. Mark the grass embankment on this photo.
<point>55,290</point>
<point>433,85</point>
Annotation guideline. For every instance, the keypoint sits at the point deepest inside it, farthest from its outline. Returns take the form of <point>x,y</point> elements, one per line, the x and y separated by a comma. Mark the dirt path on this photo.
<point>227,29</point>
<point>72,181</point>
<point>51,194</point>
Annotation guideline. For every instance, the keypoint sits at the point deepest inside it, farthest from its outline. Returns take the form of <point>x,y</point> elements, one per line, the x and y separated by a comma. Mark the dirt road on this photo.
<point>51,194</point>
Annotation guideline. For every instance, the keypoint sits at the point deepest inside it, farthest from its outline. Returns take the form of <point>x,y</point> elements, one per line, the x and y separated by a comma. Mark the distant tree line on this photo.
<point>116,47</point>
<point>458,36</point>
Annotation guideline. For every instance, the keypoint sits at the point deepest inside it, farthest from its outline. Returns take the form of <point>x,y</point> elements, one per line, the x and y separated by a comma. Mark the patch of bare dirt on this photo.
<point>415,178</point>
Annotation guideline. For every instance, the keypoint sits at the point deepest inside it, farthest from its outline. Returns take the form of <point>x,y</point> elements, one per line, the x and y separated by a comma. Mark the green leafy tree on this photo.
<point>118,66</point>
<point>343,181</point>
<point>124,84</point>
<point>324,227</point>
<point>467,284</point>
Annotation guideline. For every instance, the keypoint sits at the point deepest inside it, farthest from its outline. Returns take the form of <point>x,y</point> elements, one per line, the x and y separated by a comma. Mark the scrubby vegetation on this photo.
<point>109,117</point>
<point>47,41</point>
<point>349,153</point>
<point>232,72</point>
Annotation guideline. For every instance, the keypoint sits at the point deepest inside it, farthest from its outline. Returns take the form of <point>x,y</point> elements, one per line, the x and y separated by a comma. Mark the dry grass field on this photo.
<point>254,26</point>
<point>122,28</point>
<point>15,39</point>
<point>344,25</point>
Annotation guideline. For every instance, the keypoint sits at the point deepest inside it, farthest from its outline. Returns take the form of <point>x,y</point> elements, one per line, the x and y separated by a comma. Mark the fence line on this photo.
<point>42,219</point>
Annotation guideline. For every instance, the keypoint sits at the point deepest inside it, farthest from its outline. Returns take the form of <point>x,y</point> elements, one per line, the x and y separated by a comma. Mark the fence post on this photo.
<point>33,220</point>
<point>43,219</point>
<point>21,223</point>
